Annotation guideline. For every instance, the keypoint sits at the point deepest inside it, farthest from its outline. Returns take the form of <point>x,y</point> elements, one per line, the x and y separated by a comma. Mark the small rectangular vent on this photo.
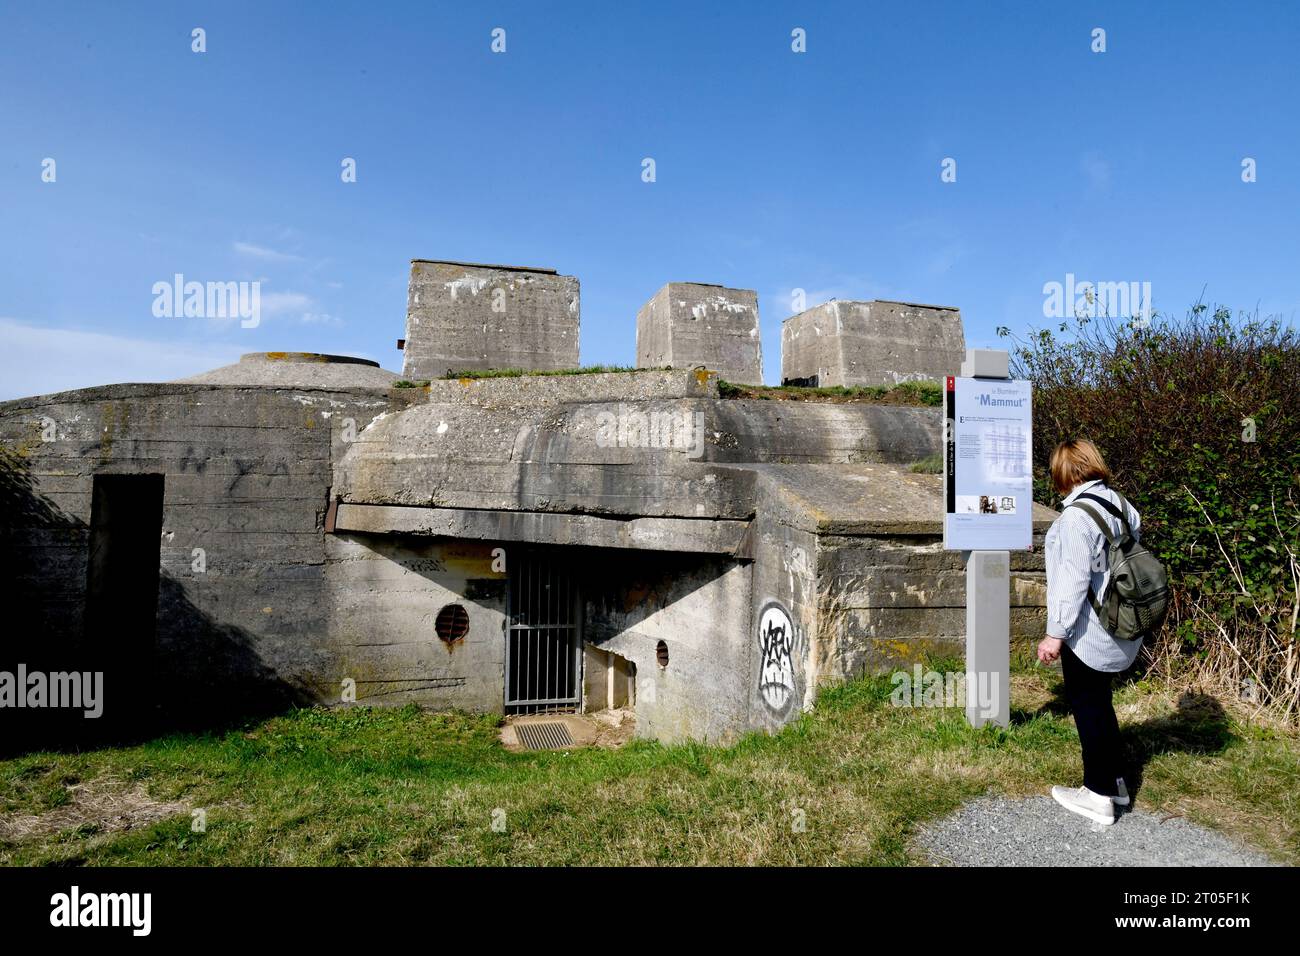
<point>547,736</point>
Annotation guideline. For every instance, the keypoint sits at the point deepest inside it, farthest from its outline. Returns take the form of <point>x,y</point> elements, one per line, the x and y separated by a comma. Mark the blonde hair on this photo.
<point>1075,461</point>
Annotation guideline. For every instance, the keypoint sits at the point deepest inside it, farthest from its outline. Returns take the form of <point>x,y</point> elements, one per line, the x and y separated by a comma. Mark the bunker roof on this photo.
<point>486,265</point>
<point>297,370</point>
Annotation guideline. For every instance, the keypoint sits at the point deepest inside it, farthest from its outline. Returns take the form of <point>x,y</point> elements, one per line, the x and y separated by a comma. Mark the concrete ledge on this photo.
<point>486,265</point>
<point>860,499</point>
<point>698,536</point>
<point>533,390</point>
<point>141,391</point>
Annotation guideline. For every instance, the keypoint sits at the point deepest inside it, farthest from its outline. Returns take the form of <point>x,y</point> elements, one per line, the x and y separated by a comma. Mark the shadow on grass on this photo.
<point>1197,725</point>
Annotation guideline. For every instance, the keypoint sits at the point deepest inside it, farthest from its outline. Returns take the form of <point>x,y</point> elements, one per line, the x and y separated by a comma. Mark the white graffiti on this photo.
<point>776,649</point>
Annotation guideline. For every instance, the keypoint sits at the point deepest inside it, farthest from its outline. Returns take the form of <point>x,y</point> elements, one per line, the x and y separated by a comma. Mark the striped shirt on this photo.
<point>1076,557</point>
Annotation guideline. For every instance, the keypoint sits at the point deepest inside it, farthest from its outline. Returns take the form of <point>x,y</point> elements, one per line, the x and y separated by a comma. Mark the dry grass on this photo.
<point>1249,657</point>
<point>103,805</point>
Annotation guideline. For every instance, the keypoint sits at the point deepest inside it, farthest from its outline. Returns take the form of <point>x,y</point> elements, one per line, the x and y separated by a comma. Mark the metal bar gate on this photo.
<point>543,636</point>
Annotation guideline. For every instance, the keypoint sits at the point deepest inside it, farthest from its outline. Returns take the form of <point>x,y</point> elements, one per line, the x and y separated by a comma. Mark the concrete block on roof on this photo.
<point>465,316</point>
<point>688,324</point>
<point>871,343</point>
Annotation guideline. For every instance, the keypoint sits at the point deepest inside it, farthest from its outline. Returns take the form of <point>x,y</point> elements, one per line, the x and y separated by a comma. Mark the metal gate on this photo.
<point>543,637</point>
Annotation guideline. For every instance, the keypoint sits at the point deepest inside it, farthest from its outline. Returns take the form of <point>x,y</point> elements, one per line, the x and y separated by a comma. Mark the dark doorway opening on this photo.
<point>543,635</point>
<point>122,572</point>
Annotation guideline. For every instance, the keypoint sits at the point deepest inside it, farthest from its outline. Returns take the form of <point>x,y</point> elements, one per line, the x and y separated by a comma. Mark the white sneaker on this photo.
<point>1084,802</point>
<point>1121,797</point>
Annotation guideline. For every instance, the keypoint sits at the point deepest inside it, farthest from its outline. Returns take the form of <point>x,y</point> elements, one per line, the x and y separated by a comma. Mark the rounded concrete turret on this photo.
<point>297,370</point>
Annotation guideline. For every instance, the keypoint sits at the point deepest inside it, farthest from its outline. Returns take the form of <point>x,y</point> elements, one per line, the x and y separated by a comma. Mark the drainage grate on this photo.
<point>547,736</point>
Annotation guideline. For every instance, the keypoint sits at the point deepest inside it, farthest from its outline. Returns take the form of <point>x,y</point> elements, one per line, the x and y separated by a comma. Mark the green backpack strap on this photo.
<point>1124,510</point>
<point>1121,513</point>
<point>1110,540</point>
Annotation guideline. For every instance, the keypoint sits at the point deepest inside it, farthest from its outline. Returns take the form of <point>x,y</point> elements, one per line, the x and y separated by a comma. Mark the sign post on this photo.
<point>988,513</point>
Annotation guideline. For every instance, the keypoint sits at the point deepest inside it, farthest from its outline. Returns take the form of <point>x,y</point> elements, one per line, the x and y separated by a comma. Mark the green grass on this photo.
<point>929,465</point>
<point>375,786</point>
<point>518,373</point>
<point>924,394</point>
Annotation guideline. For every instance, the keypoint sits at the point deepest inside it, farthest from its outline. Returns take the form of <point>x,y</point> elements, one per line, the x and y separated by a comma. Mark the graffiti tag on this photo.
<point>776,650</point>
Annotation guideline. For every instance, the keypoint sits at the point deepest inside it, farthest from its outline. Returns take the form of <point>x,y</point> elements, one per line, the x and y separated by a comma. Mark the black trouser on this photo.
<point>1088,693</point>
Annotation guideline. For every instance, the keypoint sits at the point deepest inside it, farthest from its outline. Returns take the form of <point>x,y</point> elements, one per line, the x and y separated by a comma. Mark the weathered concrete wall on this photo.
<point>871,343</point>
<point>462,316</point>
<point>529,392</point>
<point>699,606</point>
<point>886,601</point>
<point>246,483</point>
<point>548,459</point>
<point>784,613</point>
<point>687,324</point>
<point>644,456</point>
<point>384,595</point>
<point>877,590</point>
<point>740,430</point>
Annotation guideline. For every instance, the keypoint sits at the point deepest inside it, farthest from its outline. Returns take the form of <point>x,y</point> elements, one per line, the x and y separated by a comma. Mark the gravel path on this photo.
<point>1037,831</point>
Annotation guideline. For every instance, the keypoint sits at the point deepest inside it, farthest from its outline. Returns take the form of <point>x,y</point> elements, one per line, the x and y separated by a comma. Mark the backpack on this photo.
<point>1136,598</point>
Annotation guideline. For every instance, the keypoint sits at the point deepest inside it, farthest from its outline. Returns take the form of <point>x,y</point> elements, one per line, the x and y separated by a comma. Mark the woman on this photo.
<point>1090,657</point>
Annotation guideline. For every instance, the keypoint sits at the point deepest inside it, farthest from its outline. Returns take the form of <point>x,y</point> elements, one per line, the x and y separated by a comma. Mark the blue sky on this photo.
<point>775,170</point>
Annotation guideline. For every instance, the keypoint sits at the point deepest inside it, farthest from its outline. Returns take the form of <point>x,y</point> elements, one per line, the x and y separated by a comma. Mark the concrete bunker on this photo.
<point>496,544</point>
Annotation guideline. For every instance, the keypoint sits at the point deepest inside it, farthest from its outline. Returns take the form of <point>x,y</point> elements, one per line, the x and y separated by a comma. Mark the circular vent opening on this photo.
<point>452,623</point>
<point>661,654</point>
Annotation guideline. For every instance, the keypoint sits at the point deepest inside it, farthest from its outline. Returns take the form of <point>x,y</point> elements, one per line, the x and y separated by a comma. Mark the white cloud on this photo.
<point>285,303</point>
<point>296,305</point>
<point>37,361</point>
<point>263,253</point>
